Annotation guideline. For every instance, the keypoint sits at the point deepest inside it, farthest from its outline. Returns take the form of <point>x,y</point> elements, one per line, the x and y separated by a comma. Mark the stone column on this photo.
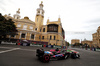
<point>30,36</point>
<point>25,35</point>
<point>34,36</point>
<point>20,35</point>
<point>14,36</point>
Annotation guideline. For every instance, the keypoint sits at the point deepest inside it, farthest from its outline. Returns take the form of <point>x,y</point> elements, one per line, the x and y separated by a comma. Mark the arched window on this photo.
<point>23,35</point>
<point>50,37</point>
<point>31,27</point>
<point>18,25</point>
<point>32,36</point>
<point>38,11</point>
<point>35,28</point>
<point>40,30</point>
<point>24,27</point>
<point>54,37</point>
<point>43,29</point>
<point>42,37</point>
<point>17,17</point>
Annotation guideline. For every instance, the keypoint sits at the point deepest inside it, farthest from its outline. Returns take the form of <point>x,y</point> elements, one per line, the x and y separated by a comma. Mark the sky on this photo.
<point>79,18</point>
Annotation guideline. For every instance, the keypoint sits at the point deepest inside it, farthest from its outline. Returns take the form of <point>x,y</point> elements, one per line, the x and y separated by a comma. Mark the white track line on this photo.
<point>27,50</point>
<point>7,47</point>
<point>9,50</point>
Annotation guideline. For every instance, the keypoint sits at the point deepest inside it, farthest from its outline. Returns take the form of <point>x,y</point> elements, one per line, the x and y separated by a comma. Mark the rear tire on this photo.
<point>46,58</point>
<point>73,55</point>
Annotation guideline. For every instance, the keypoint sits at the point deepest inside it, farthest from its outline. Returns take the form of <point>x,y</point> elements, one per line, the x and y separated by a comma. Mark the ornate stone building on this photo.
<point>87,42</point>
<point>35,32</point>
<point>73,41</point>
<point>96,38</point>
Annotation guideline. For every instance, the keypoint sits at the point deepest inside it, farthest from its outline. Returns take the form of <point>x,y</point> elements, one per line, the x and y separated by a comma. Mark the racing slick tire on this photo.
<point>77,56</point>
<point>66,56</point>
<point>73,55</point>
<point>46,58</point>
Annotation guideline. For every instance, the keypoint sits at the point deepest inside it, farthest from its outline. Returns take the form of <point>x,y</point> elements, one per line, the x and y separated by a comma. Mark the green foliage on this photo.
<point>78,44</point>
<point>67,44</point>
<point>7,27</point>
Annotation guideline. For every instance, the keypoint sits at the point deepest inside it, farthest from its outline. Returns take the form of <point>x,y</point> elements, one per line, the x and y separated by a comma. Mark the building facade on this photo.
<point>96,38</point>
<point>94,35</point>
<point>87,42</point>
<point>35,32</point>
<point>73,41</point>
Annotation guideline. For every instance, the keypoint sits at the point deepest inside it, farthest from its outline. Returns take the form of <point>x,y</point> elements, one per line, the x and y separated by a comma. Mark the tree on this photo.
<point>7,27</point>
<point>67,43</point>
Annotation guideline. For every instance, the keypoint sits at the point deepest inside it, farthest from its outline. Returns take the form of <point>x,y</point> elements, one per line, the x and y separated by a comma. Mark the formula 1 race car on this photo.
<point>74,54</point>
<point>71,53</point>
<point>45,56</point>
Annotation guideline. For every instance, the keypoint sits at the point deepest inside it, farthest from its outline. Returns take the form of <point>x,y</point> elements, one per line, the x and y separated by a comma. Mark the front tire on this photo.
<point>66,56</point>
<point>77,56</point>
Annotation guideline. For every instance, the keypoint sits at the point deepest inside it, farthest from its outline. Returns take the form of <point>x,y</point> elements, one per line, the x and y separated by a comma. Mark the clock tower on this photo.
<point>39,17</point>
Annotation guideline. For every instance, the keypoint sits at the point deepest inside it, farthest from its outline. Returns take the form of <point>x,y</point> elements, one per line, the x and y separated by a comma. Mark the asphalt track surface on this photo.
<point>14,55</point>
